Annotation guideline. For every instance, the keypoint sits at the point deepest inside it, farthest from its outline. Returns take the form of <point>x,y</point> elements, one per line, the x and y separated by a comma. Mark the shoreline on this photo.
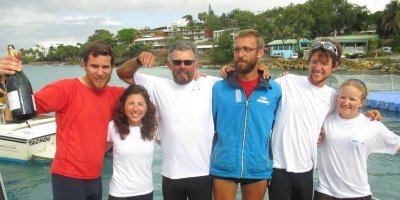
<point>380,65</point>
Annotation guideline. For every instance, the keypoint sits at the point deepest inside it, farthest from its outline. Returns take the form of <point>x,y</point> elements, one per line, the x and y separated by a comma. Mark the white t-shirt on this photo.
<point>185,123</point>
<point>299,118</point>
<point>342,164</point>
<point>132,160</point>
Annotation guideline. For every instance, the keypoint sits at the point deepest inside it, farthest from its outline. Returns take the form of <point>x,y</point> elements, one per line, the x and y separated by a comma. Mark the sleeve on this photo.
<point>151,83</point>
<point>215,79</point>
<point>53,97</point>
<point>147,81</point>
<point>385,141</point>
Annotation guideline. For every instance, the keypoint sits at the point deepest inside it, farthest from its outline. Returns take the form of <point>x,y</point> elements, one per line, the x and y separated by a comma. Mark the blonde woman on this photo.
<point>349,138</point>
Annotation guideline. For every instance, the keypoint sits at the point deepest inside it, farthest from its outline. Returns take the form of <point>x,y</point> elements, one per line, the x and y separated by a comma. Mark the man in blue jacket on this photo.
<point>244,107</point>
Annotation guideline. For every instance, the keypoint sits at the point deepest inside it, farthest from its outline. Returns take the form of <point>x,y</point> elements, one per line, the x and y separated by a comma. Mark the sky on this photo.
<point>26,23</point>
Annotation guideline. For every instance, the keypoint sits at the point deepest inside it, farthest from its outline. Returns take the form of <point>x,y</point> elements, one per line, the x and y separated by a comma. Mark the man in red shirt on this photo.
<point>83,108</point>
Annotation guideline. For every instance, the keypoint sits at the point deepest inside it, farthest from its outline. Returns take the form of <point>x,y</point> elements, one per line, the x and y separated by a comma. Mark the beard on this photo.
<point>96,84</point>
<point>183,77</point>
<point>245,67</point>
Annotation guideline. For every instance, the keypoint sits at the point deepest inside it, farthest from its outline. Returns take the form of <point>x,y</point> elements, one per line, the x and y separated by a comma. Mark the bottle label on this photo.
<point>13,100</point>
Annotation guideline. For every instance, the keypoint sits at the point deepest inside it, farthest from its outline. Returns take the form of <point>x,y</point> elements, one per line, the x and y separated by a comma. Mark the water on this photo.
<point>32,180</point>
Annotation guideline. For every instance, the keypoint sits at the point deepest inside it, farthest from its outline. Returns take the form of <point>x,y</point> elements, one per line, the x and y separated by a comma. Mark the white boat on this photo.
<point>22,141</point>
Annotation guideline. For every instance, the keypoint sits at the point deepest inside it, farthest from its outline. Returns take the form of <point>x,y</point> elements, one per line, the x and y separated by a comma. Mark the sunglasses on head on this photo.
<point>185,62</point>
<point>358,81</point>
<point>325,45</point>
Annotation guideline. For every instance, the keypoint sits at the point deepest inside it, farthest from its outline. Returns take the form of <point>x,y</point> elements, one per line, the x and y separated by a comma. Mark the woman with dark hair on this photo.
<point>131,133</point>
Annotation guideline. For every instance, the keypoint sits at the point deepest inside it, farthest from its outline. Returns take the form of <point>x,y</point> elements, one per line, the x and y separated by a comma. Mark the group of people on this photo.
<point>214,133</point>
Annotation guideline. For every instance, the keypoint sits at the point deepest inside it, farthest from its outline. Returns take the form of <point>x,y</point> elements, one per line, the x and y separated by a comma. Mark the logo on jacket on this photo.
<point>263,99</point>
<point>238,95</point>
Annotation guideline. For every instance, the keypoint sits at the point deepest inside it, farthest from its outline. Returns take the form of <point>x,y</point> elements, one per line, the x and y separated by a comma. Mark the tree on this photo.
<point>191,23</point>
<point>222,52</point>
<point>282,30</point>
<point>264,24</point>
<point>126,36</point>
<point>202,17</point>
<point>376,18</point>
<point>39,52</point>
<point>51,54</point>
<point>242,19</point>
<point>102,35</point>
<point>299,21</point>
<point>324,14</point>
<point>362,19</point>
<point>136,49</point>
<point>210,20</point>
<point>27,55</point>
<point>391,18</point>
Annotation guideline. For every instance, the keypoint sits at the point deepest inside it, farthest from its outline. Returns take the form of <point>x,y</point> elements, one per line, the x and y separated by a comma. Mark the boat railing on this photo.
<point>390,82</point>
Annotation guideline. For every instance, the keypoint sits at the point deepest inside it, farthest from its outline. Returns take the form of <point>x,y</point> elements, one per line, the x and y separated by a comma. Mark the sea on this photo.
<point>32,181</point>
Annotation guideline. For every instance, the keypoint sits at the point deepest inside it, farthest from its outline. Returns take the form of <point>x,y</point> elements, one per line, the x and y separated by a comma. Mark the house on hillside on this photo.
<point>157,37</point>
<point>195,34</point>
<point>157,41</point>
<point>232,32</point>
<point>287,46</point>
<point>204,49</point>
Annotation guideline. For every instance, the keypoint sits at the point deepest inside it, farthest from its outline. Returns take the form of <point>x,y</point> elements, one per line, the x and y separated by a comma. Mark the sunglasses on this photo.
<point>325,45</point>
<point>185,62</point>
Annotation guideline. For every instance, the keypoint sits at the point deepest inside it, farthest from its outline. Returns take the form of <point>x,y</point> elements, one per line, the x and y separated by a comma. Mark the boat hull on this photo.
<point>19,141</point>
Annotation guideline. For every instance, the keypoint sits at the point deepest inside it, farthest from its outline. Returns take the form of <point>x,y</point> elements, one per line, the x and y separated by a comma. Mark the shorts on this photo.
<point>242,181</point>
<point>67,188</point>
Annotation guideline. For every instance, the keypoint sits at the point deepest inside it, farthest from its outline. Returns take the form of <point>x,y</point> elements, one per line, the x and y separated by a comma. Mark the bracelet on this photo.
<point>138,61</point>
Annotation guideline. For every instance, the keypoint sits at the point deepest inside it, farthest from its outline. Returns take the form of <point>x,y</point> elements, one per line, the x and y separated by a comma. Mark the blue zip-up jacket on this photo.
<point>243,127</point>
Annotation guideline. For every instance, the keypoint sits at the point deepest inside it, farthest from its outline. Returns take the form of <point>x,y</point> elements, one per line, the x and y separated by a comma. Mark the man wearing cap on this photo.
<point>306,101</point>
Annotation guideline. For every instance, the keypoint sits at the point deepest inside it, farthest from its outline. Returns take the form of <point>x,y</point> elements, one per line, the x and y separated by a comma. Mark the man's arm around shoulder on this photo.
<point>126,71</point>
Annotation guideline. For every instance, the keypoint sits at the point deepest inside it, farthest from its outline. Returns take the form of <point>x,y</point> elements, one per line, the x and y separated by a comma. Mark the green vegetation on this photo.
<point>314,18</point>
<point>222,53</point>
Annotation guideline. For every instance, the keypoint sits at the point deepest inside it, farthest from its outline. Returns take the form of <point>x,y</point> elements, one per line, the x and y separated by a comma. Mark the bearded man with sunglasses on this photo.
<point>185,120</point>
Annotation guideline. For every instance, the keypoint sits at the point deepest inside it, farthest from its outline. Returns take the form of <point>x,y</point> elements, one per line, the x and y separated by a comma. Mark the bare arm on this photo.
<point>226,69</point>
<point>374,115</point>
<point>320,137</point>
<point>126,71</point>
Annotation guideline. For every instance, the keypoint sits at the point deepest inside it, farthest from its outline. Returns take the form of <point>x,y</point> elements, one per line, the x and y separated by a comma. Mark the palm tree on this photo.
<point>190,21</point>
<point>391,18</point>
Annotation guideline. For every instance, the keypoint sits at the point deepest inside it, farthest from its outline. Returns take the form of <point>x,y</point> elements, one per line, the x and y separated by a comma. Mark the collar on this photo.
<point>232,79</point>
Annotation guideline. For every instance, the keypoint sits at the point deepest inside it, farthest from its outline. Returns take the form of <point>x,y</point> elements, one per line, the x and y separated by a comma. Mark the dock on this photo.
<point>384,100</point>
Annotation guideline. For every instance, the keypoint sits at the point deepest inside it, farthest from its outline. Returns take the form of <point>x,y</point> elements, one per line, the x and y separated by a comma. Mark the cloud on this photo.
<point>88,19</point>
<point>26,23</point>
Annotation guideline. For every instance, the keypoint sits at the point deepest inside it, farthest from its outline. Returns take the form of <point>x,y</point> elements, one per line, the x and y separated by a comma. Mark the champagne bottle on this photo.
<point>20,94</point>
